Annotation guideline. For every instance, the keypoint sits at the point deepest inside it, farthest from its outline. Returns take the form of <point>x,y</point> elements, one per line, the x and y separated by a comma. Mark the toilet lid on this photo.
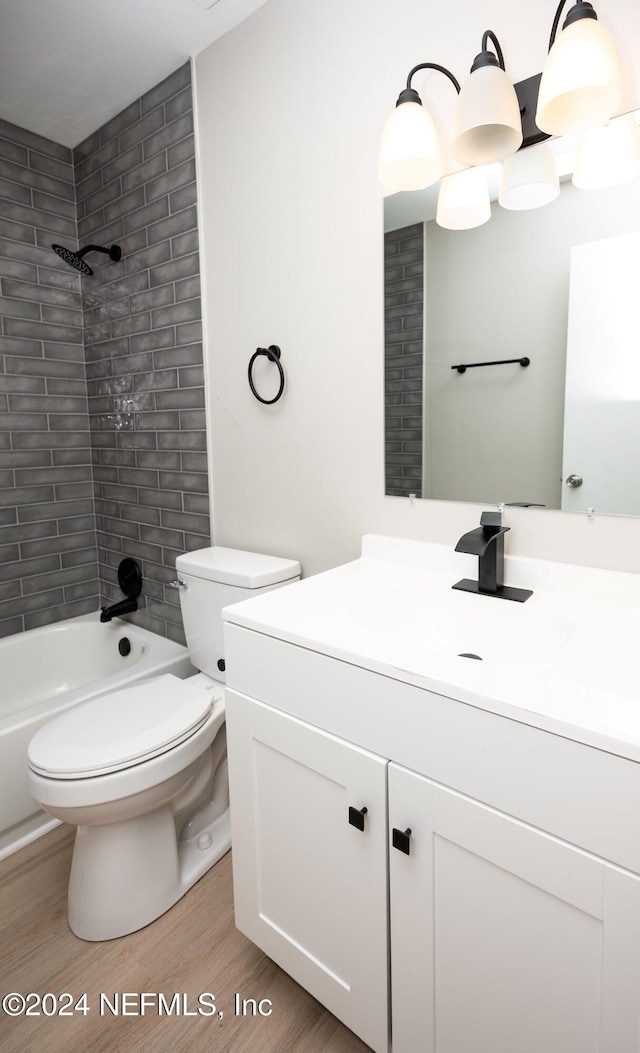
<point>116,731</point>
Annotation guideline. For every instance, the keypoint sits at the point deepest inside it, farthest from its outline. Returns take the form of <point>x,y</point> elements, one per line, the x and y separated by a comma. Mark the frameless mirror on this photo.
<point>554,288</point>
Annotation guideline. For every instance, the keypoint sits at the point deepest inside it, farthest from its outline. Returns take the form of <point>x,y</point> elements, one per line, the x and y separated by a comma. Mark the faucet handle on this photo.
<point>492,519</point>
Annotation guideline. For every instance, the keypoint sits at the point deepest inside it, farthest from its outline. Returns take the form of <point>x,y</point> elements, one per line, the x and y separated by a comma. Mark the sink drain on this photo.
<point>467,654</point>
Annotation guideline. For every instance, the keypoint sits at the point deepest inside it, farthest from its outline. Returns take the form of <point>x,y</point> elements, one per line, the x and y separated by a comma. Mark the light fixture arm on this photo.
<point>581,9</point>
<point>485,57</point>
<point>409,94</point>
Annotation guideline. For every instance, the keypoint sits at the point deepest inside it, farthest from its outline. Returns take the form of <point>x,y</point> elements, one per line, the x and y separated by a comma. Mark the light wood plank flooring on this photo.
<point>194,948</point>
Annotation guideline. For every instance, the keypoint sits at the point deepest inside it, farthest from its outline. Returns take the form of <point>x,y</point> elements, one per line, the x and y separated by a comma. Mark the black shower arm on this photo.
<point>92,248</point>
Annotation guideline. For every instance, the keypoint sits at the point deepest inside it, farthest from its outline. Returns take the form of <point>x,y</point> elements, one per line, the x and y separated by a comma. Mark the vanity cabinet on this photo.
<point>493,889</point>
<point>503,938</point>
<point>310,888</point>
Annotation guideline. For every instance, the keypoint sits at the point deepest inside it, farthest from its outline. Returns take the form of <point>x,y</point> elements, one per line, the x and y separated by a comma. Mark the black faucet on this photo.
<point>487,543</point>
<point>126,606</point>
<point>130,581</point>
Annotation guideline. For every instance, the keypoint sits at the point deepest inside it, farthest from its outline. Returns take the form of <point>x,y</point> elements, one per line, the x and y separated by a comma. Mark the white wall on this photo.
<point>290,107</point>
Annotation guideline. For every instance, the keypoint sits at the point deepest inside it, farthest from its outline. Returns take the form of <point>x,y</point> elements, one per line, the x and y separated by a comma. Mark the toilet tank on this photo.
<point>214,578</point>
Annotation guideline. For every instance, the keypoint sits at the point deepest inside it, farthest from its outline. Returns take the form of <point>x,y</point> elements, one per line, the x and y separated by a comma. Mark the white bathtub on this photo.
<point>46,670</point>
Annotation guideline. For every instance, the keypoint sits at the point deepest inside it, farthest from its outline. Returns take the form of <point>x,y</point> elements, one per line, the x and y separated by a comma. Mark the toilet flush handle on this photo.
<point>178,583</point>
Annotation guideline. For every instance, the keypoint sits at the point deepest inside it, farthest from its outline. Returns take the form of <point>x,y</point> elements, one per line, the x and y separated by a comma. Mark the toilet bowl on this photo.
<point>142,771</point>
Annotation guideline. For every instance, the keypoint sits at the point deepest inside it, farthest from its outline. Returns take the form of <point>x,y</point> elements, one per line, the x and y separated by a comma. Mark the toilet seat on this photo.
<point>122,729</point>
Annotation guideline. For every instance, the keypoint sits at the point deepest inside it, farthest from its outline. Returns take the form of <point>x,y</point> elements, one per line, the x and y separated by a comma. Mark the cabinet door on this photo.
<point>505,939</point>
<point>310,889</point>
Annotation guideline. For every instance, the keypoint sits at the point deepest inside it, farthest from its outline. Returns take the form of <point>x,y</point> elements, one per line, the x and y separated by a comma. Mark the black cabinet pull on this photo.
<point>356,817</point>
<point>401,840</point>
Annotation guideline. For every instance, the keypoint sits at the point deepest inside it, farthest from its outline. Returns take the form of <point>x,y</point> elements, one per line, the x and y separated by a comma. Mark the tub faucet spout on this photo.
<point>126,606</point>
<point>487,543</point>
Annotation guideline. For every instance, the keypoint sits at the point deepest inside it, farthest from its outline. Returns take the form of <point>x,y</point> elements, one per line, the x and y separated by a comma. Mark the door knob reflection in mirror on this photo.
<point>574,481</point>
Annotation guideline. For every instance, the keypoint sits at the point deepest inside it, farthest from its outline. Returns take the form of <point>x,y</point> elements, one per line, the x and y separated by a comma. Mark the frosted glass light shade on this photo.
<point>487,125</point>
<point>529,179</point>
<point>580,85</point>
<point>609,155</point>
<point>409,151</point>
<point>463,200</point>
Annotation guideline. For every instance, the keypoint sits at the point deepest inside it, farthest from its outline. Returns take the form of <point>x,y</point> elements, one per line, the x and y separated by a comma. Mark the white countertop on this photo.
<point>566,661</point>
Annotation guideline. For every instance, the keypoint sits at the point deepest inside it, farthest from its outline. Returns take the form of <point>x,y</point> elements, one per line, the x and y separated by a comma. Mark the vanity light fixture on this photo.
<point>529,179</point>
<point>487,125</point>
<point>410,151</point>
<point>579,89</point>
<point>580,86</point>
<point>463,200</point>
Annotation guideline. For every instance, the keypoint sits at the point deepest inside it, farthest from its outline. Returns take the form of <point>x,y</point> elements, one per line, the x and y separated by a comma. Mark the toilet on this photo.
<point>142,771</point>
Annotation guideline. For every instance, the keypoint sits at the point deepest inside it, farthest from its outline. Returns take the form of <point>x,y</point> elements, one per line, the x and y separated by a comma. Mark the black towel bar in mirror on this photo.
<point>500,362</point>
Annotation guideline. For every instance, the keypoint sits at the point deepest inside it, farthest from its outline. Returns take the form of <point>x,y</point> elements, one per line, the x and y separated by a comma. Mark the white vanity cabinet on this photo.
<point>508,919</point>
<point>310,888</point>
<point>503,938</point>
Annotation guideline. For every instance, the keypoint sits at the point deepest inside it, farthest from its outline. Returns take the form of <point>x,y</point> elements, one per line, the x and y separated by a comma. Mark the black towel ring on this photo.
<point>273,354</point>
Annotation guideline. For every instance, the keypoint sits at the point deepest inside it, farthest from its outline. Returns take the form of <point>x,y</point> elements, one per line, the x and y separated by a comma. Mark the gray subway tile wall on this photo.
<point>48,553</point>
<point>143,385</point>
<point>102,387</point>
<point>403,338</point>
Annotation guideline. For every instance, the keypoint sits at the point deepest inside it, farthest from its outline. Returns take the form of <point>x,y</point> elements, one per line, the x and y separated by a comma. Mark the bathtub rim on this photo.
<point>162,655</point>
<point>167,650</point>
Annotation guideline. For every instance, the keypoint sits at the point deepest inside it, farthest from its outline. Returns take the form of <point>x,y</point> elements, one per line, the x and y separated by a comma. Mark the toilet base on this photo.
<point>125,875</point>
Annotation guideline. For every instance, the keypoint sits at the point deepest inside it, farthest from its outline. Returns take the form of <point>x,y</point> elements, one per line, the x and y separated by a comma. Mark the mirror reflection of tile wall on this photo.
<point>403,339</point>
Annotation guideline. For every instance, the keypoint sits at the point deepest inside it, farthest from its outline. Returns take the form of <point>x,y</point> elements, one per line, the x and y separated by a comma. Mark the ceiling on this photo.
<point>68,66</point>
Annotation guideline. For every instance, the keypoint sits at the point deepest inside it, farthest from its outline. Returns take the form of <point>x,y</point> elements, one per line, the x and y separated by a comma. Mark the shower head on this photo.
<point>74,259</point>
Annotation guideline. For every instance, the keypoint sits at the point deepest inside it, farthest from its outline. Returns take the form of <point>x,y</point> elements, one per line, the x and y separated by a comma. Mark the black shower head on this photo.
<point>74,259</point>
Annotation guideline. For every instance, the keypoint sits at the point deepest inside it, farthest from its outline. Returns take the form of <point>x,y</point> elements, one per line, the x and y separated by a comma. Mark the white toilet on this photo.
<point>142,771</point>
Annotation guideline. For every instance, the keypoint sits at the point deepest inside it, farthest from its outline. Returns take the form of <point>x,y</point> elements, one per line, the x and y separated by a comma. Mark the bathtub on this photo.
<point>44,671</point>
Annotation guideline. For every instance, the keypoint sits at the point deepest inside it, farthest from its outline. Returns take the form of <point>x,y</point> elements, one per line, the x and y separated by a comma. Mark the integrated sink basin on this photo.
<point>461,625</point>
<point>566,661</point>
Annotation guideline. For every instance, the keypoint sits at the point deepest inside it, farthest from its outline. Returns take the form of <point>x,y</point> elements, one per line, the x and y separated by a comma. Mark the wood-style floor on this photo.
<point>192,949</point>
